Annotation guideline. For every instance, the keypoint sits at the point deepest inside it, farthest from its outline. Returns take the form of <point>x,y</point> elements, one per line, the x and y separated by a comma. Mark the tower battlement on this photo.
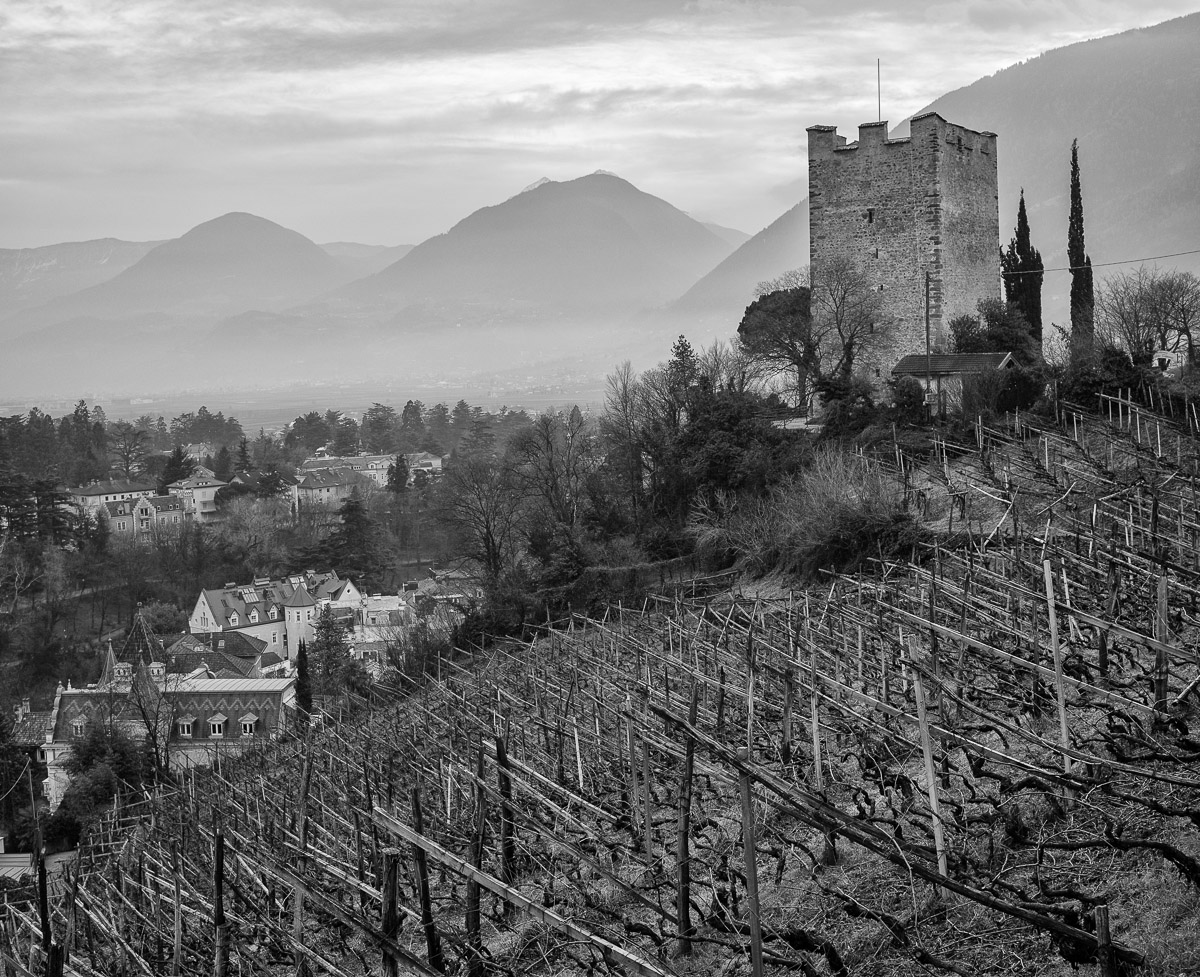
<point>900,208</point>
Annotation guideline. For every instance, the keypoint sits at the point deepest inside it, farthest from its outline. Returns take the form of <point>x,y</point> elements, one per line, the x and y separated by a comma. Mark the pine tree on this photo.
<point>1023,273</point>
<point>243,463</point>
<point>397,476</point>
<point>303,683</point>
<point>1083,329</point>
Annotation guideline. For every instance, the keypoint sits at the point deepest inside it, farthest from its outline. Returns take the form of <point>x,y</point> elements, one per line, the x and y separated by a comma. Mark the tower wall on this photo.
<point>898,208</point>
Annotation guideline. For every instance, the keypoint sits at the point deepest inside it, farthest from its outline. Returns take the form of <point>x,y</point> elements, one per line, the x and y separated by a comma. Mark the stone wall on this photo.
<point>898,208</point>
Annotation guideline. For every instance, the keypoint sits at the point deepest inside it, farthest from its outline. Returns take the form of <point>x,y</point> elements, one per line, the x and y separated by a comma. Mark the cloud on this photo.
<point>403,115</point>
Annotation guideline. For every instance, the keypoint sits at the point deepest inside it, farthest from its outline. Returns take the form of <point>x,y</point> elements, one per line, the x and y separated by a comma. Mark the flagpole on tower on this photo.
<point>878,92</point>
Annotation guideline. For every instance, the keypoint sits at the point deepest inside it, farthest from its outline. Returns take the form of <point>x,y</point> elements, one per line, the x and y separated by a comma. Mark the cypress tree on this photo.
<point>1023,273</point>
<point>303,684</point>
<point>1083,303</point>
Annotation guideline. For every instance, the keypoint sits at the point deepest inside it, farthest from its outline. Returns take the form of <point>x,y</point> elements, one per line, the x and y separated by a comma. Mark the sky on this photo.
<point>387,121</point>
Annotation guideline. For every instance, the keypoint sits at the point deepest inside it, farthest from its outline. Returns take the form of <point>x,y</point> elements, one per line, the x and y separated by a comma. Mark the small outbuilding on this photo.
<point>941,374</point>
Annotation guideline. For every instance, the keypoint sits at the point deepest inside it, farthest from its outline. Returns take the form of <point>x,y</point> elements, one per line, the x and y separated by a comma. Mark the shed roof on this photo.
<point>917,364</point>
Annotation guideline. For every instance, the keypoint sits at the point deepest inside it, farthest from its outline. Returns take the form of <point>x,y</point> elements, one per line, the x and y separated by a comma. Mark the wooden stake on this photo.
<point>221,953</point>
<point>432,943</point>
<point>750,856</point>
<point>1162,632</point>
<point>391,919</point>
<point>683,858</point>
<point>935,809</point>
<point>1063,733</point>
<point>474,935</point>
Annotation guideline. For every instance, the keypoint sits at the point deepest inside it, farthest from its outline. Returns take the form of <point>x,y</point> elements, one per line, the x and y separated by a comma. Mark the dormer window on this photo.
<point>216,726</point>
<point>78,728</point>
<point>233,619</point>
<point>272,613</point>
<point>183,726</point>
<point>249,724</point>
<point>254,616</point>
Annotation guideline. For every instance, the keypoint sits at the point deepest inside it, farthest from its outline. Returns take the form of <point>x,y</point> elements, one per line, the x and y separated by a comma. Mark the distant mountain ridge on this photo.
<point>34,276</point>
<point>225,265</point>
<point>582,246</point>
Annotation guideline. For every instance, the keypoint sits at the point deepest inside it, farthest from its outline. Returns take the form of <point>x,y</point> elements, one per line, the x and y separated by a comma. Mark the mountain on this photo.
<point>364,259</point>
<point>726,290</point>
<point>1131,101</point>
<point>594,245</point>
<point>730,235</point>
<point>33,276</point>
<point>221,267</point>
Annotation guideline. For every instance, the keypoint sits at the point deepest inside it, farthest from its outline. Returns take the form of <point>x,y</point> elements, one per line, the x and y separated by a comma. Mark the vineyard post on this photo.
<point>815,711</point>
<point>935,810</point>
<point>683,895</point>
<point>1108,966</point>
<point>789,690</point>
<point>1162,633</point>
<point>221,953</point>
<point>1056,651</point>
<point>750,854</point>
<point>647,795</point>
<point>474,935</point>
<point>7,949</point>
<point>507,850</point>
<point>432,942</point>
<point>301,961</point>
<point>177,948</point>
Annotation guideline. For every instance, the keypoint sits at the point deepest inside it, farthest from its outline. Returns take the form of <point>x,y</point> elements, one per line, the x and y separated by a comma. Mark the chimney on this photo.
<point>26,708</point>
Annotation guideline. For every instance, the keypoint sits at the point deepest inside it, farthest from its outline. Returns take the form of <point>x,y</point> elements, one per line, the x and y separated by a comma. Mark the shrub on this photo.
<point>841,510</point>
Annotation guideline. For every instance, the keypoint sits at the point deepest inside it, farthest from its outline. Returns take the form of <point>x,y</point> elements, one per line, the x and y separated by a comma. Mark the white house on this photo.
<point>280,612</point>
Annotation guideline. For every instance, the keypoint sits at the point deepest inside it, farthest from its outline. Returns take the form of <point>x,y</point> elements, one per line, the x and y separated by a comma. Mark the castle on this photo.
<point>897,209</point>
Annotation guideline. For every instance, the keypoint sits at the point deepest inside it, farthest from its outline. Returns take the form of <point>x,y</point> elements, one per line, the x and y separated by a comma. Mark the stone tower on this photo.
<point>898,208</point>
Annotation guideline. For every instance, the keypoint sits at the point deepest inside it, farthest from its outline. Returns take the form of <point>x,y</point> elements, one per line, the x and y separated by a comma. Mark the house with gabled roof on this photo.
<point>279,612</point>
<point>198,494</point>
<point>331,486</point>
<point>90,498</point>
<point>145,515</point>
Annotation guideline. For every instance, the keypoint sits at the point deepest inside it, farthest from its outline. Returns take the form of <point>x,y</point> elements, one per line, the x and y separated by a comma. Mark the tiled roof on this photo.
<point>333,478</point>
<point>165,503</point>
<point>195,482</point>
<point>217,686</point>
<point>240,600</point>
<point>300,598</point>
<point>33,728</point>
<point>917,364</point>
<point>114,487</point>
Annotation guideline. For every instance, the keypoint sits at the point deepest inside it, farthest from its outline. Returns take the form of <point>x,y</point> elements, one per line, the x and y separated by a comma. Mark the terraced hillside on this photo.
<point>976,761</point>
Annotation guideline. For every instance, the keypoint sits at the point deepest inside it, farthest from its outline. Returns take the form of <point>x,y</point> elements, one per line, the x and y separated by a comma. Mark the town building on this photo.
<point>279,612</point>
<point>918,217</point>
<point>145,515</point>
<point>331,486</point>
<point>374,467</point>
<point>199,496</point>
<point>90,498</point>
<point>197,716</point>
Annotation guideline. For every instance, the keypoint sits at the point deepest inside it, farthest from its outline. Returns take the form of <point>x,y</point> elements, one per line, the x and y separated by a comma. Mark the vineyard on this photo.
<point>974,760</point>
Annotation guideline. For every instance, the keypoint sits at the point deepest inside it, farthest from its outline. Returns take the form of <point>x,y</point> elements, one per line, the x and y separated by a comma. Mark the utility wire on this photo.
<point>1103,264</point>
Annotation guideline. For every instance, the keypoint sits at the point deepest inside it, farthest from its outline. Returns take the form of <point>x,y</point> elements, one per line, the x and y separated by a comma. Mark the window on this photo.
<point>254,616</point>
<point>248,729</point>
<point>274,637</point>
<point>233,619</point>
<point>77,728</point>
<point>272,614</point>
<point>870,215</point>
<point>216,726</point>
<point>310,615</point>
<point>184,728</point>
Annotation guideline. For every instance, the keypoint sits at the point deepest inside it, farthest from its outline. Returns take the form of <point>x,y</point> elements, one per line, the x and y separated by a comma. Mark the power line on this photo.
<point>1104,264</point>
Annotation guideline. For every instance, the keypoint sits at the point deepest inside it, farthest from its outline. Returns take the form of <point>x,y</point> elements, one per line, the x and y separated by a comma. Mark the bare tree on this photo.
<point>728,366</point>
<point>128,446</point>
<point>1125,315</point>
<point>479,500</point>
<point>1176,304</point>
<point>555,455</point>
<point>847,316</point>
<point>621,426</point>
<point>156,701</point>
<point>777,333</point>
